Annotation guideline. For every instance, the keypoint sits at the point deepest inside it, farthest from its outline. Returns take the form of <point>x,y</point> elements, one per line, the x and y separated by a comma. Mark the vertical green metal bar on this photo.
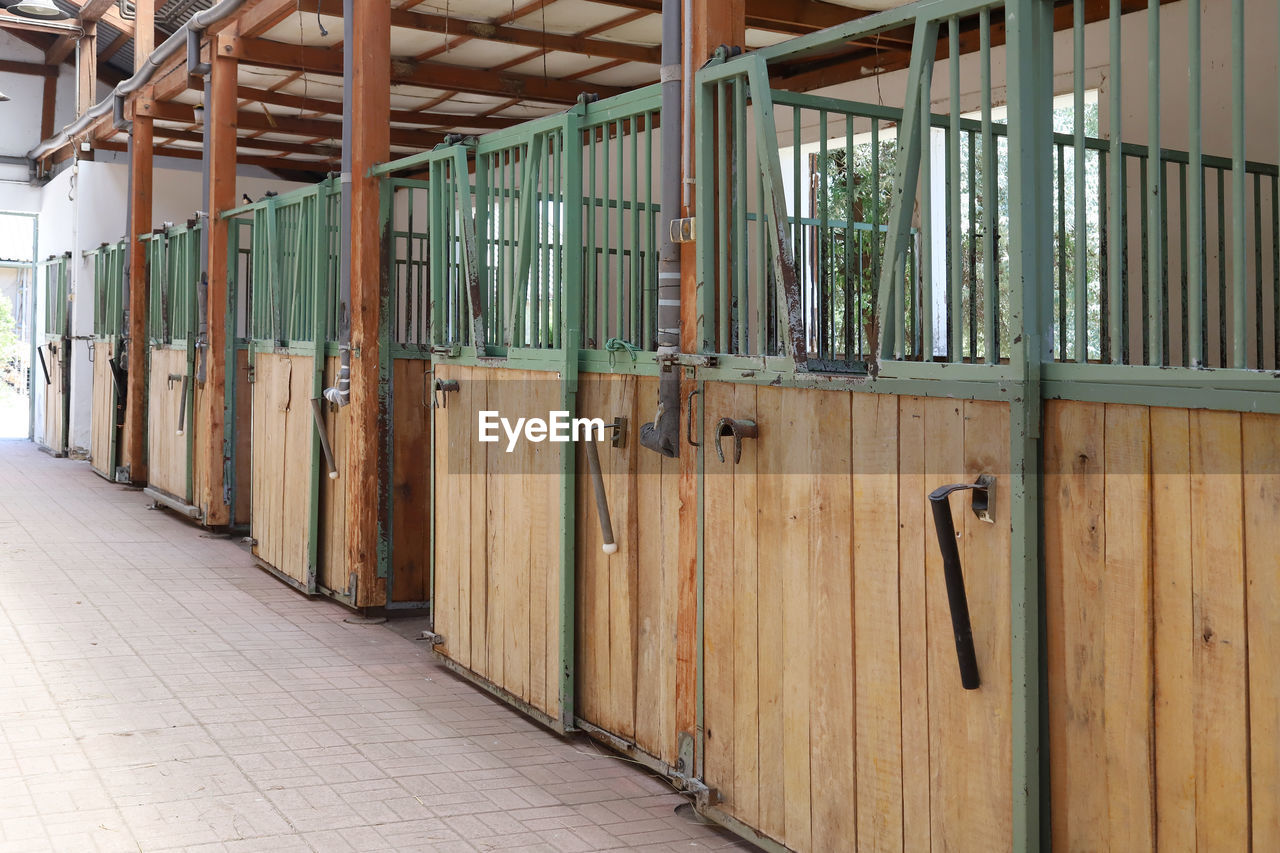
<point>1060,260</point>
<point>823,299</point>
<point>1029,25</point>
<point>1238,221</point>
<point>593,278</point>
<point>650,278</point>
<point>852,318</point>
<point>990,210</point>
<point>1195,202</point>
<point>955,288</point>
<point>510,236</point>
<point>877,240</point>
<point>797,167</point>
<point>1165,320</point>
<point>1182,259</point>
<point>739,234</point>
<point>723,202</point>
<point>704,157</point>
<point>1116,238</point>
<point>622,195</point>
<point>1222,267</point>
<point>1155,170</point>
<point>1144,216</point>
<point>635,280</point>
<point>764,294</point>
<point>924,308</point>
<point>1081,228</point>
<point>1275,272</point>
<point>606,284</point>
<point>545,189</point>
<point>571,343</point>
<point>1257,267</point>
<point>319,335</point>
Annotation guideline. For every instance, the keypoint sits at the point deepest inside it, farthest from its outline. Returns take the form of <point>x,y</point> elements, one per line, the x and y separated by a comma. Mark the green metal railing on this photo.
<point>493,256</point>
<point>56,295</point>
<point>108,288</point>
<point>287,255</point>
<point>173,270</point>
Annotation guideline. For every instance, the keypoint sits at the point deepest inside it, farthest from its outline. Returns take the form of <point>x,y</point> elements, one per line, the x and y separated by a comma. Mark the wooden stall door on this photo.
<point>166,449</point>
<point>626,601</point>
<point>834,714</point>
<point>55,394</point>
<point>497,537</point>
<point>280,470</point>
<point>102,411</point>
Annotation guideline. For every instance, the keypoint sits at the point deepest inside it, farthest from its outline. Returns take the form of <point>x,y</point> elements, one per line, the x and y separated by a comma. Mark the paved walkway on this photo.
<point>158,692</point>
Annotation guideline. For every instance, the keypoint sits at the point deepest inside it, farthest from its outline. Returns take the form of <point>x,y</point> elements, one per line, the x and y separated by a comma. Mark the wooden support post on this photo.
<point>135,423</point>
<point>144,31</point>
<point>711,23</point>
<point>369,102</point>
<point>220,123</point>
<point>87,68</point>
<point>48,106</point>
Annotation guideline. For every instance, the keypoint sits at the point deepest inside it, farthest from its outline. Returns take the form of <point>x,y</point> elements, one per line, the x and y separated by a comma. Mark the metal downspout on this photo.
<point>662,435</point>
<point>340,393</point>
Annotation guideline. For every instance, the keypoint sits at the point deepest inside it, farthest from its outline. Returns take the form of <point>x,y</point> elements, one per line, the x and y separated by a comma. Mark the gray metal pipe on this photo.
<point>199,22</point>
<point>662,435</point>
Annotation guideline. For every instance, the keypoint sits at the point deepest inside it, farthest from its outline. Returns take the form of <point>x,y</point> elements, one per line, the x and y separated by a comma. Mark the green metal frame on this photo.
<point>108,327</point>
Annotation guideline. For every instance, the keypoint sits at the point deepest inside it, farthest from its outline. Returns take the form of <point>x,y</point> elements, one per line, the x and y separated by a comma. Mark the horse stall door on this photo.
<point>411,482</point>
<point>497,591</point>
<point>834,715</point>
<point>102,444</point>
<point>626,601</point>
<point>168,426</point>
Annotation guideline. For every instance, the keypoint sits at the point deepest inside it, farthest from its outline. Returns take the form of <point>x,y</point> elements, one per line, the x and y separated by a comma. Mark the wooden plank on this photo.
<point>988,795</point>
<point>1175,733</point>
<point>718,598</point>
<point>832,556</point>
<point>498,482</point>
<point>1126,631</point>
<point>1261,458</point>
<point>243,439</point>
<point>144,32</point>
<point>773,564</point>
<point>795,425</point>
<point>86,65</point>
<point>592,682</point>
<point>1075,566</point>
<point>410,472</point>
<point>746,606</point>
<point>949,758</point>
<point>913,543</point>
<point>48,106</point>
<point>296,476</point>
<point>877,799</point>
<point>477,463</point>
<point>619,464</point>
<point>452,514</point>
<point>333,516</point>
<point>1221,706</point>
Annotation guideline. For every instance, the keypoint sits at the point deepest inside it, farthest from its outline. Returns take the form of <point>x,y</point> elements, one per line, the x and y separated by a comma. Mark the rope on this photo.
<point>617,345</point>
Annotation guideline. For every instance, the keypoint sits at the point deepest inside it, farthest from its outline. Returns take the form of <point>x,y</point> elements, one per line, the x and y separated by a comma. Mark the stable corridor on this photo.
<point>158,691</point>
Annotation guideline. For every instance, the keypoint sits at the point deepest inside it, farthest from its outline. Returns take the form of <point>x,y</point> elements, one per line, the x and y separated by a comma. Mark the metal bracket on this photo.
<point>739,430</point>
<point>688,418</point>
<point>619,427</point>
<point>172,378</point>
<point>684,230</point>
<point>440,390</point>
<point>452,351</point>
<point>432,638</point>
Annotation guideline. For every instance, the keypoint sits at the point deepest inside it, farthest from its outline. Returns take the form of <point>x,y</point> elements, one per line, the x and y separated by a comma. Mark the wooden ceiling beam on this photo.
<point>434,75</point>
<point>272,163</point>
<point>425,119</point>
<point>331,153</point>
<point>782,16</point>
<point>310,128</point>
<point>492,31</point>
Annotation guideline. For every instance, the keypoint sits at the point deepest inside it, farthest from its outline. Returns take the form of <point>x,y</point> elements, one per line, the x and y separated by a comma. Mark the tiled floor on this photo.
<point>158,692</point>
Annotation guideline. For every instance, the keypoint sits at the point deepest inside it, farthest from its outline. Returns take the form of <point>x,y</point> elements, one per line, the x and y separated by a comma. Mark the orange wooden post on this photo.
<point>144,31</point>
<point>220,123</point>
<point>135,432</point>
<point>87,85</point>
<point>370,103</point>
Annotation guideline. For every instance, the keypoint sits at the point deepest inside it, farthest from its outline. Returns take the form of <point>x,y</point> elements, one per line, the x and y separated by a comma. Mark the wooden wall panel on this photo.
<point>281,461</point>
<point>411,479</point>
<point>1161,584</point>
<point>102,411</point>
<point>54,419</point>
<point>497,573</point>
<point>166,450</point>
<point>834,712</point>
<point>626,601</point>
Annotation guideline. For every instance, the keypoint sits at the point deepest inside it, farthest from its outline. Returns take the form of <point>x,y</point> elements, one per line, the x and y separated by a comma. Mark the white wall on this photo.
<point>84,206</point>
<point>20,115</point>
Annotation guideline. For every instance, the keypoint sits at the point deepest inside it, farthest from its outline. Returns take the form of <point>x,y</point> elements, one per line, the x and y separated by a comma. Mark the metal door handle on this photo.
<point>688,418</point>
<point>957,601</point>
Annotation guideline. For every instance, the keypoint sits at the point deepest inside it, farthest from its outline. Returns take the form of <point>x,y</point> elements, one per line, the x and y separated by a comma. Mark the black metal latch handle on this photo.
<point>440,390</point>
<point>983,504</point>
<point>739,430</point>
